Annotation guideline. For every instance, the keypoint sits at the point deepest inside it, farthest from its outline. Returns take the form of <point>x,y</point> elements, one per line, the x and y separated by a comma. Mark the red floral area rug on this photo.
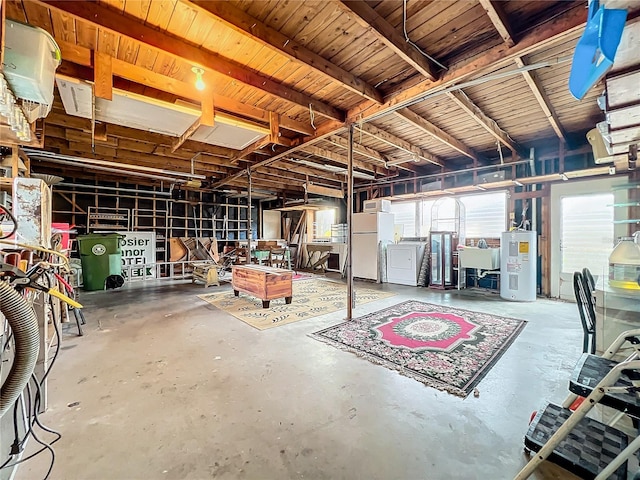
<point>443,347</point>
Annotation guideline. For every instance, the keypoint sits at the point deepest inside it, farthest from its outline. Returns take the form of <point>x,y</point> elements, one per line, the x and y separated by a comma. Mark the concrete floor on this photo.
<point>169,387</point>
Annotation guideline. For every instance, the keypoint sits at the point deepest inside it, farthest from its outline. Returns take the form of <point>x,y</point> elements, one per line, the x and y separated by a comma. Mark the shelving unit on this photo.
<point>105,218</point>
<point>132,208</point>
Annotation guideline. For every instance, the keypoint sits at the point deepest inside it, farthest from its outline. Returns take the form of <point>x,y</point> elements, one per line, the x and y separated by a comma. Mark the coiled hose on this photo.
<point>24,323</point>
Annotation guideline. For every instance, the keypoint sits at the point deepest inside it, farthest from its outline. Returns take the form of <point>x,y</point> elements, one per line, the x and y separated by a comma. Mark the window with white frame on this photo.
<point>485,214</point>
<point>322,224</point>
<point>405,215</point>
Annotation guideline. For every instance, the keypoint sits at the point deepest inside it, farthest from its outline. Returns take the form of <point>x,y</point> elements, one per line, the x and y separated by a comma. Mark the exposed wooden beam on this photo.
<point>180,164</point>
<point>399,143</point>
<point>436,132</point>
<point>358,148</point>
<point>338,158</point>
<point>131,135</point>
<point>103,76</point>
<point>542,100</point>
<point>109,19</point>
<point>82,56</point>
<point>541,36</point>
<point>465,103</point>
<point>207,111</point>
<point>369,18</point>
<point>185,136</point>
<point>249,149</point>
<point>274,127</point>
<point>500,21</point>
<point>245,24</point>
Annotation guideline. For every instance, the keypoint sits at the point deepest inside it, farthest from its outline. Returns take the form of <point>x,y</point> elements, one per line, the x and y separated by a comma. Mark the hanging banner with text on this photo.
<point>138,254</point>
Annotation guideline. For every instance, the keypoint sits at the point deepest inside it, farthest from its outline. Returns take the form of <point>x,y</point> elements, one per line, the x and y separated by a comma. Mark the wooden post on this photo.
<point>545,244</point>
<point>249,232</point>
<point>350,292</point>
<point>15,162</point>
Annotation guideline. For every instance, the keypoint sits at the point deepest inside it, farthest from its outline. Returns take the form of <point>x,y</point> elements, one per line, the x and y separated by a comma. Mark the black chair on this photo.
<point>586,311</point>
<point>588,279</point>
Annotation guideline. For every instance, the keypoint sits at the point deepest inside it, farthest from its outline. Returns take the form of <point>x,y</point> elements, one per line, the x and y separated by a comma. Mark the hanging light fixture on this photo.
<point>200,85</point>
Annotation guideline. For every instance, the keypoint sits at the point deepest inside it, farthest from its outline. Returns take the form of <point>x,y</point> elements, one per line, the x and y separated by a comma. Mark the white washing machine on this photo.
<point>403,262</point>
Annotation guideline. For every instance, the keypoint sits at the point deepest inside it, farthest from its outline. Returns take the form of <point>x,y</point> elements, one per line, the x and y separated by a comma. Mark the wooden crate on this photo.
<point>265,283</point>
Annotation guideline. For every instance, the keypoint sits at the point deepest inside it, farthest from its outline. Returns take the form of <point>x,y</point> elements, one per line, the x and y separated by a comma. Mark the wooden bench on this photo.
<point>265,283</point>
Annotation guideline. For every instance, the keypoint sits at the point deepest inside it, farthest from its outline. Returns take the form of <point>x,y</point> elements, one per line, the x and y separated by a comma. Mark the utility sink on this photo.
<point>483,258</point>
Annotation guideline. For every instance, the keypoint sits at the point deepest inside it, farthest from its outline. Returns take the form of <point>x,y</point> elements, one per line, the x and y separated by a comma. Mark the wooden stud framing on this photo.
<point>111,20</point>
<point>369,18</point>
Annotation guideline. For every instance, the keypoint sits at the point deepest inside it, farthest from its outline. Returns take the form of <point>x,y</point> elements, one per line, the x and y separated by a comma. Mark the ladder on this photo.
<point>582,445</point>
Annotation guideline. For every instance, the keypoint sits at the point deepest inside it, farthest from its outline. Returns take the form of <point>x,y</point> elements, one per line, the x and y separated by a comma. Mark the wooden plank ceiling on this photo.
<point>303,69</point>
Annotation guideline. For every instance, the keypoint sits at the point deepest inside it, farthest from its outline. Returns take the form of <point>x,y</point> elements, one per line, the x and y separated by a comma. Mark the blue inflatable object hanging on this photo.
<point>596,49</point>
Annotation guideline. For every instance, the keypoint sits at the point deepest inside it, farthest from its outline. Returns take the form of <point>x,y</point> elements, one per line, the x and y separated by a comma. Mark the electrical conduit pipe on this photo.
<point>24,323</point>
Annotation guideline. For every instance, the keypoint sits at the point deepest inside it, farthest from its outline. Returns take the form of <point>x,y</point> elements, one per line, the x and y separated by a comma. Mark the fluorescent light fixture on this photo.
<point>123,167</point>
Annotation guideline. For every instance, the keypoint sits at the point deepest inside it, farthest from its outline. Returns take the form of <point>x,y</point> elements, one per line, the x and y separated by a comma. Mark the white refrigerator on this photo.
<point>369,229</point>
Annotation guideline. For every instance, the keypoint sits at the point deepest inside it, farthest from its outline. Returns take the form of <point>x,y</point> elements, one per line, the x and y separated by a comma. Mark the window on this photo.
<point>405,215</point>
<point>322,225</point>
<point>486,214</point>
<point>587,232</point>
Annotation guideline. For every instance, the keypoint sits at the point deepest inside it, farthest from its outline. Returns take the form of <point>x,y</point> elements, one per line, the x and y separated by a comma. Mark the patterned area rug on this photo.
<point>443,347</point>
<point>311,298</point>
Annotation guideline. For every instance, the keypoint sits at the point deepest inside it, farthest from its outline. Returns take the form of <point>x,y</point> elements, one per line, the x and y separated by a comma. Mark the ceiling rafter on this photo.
<point>245,24</point>
<point>464,102</point>
<point>437,133</point>
<point>69,141</point>
<point>249,149</point>
<point>500,21</point>
<point>399,143</point>
<point>113,21</point>
<point>338,158</point>
<point>369,18</point>
<point>177,143</point>
<point>358,148</point>
<point>79,55</point>
<point>547,33</point>
<point>543,100</point>
<point>323,131</point>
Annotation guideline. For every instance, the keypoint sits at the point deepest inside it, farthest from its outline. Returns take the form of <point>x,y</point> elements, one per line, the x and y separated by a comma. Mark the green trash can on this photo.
<point>101,258</point>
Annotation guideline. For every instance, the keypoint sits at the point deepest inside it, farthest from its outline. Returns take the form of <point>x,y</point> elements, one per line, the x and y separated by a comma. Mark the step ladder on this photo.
<point>582,445</point>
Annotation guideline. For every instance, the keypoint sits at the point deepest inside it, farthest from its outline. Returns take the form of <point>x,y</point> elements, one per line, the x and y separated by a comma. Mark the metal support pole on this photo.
<point>249,228</point>
<point>350,293</point>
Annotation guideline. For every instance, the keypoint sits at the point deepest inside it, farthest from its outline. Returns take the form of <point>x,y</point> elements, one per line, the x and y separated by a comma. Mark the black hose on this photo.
<point>24,324</point>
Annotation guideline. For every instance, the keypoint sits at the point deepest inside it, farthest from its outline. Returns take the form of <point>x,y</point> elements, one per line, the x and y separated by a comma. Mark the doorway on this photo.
<point>586,238</point>
<point>584,226</point>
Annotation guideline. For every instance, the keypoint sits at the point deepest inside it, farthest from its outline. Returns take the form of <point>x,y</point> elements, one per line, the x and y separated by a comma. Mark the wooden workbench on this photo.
<point>266,283</point>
